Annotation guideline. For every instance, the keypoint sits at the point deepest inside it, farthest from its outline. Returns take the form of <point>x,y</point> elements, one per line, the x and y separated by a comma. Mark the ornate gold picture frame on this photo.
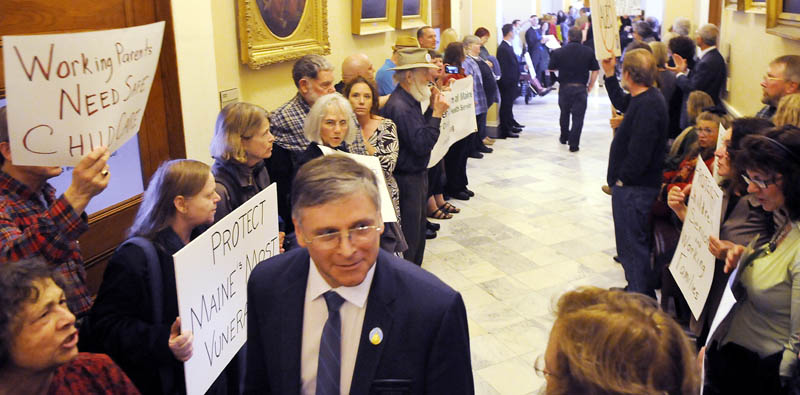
<point>783,18</point>
<point>373,16</point>
<point>273,31</point>
<point>413,13</point>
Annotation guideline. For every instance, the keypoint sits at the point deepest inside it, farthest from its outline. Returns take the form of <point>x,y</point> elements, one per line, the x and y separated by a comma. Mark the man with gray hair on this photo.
<point>682,26</point>
<point>709,72</point>
<point>782,78</point>
<point>342,316</point>
<point>417,133</point>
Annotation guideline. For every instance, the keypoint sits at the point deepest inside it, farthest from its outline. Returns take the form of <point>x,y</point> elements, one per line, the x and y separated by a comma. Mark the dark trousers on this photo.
<point>630,207</point>
<point>507,96</point>
<point>435,175</point>
<point>477,138</point>
<point>455,166</point>
<point>733,369</point>
<point>572,102</point>
<point>413,209</point>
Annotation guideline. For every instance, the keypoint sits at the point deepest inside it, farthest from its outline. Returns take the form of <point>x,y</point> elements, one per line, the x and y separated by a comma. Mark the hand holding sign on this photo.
<point>676,200</point>
<point>719,248</point>
<point>732,258</point>
<point>180,343</point>
<point>89,178</point>
<point>609,66</point>
<point>440,105</point>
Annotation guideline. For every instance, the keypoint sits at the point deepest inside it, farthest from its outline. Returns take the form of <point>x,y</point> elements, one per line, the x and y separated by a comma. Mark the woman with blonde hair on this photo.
<point>135,317</point>
<point>613,342</point>
<point>788,112</point>
<point>448,37</point>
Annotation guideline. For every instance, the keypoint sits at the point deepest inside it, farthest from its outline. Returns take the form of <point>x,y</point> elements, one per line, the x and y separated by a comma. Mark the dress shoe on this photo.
<point>476,155</point>
<point>516,129</point>
<point>488,141</point>
<point>517,124</point>
<point>562,140</point>
<point>485,149</point>
<point>460,195</point>
<point>432,226</point>
<point>511,135</point>
<point>470,193</point>
<point>606,189</point>
<point>574,149</point>
<point>429,234</point>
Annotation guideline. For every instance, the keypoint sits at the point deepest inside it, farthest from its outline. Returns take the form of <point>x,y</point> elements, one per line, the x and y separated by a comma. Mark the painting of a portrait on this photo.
<point>413,13</point>
<point>411,7</point>
<point>371,9</point>
<point>281,16</point>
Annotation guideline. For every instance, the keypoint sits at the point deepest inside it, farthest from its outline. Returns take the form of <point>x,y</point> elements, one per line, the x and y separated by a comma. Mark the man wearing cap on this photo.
<point>385,75</point>
<point>417,134</point>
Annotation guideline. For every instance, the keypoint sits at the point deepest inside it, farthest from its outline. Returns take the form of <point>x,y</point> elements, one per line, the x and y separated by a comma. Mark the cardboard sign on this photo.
<point>606,31</point>
<point>692,265</point>
<point>69,93</point>
<point>458,121</point>
<point>211,276</point>
<point>374,164</point>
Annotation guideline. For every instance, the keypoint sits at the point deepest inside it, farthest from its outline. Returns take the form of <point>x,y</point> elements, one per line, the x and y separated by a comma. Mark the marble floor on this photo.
<point>538,226</point>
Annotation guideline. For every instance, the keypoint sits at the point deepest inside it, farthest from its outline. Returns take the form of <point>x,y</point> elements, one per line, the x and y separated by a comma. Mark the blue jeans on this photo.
<point>631,206</point>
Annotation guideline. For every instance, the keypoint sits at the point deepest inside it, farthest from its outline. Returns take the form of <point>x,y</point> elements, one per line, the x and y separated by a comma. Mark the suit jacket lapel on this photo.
<point>378,315</point>
<point>291,316</point>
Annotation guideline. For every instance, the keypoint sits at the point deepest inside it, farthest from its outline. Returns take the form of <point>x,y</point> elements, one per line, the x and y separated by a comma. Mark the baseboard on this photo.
<point>731,110</point>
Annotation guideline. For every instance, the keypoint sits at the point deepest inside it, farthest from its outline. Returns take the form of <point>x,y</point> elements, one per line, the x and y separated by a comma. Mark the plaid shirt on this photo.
<point>767,112</point>
<point>472,68</point>
<point>91,374</point>
<point>286,124</point>
<point>34,224</point>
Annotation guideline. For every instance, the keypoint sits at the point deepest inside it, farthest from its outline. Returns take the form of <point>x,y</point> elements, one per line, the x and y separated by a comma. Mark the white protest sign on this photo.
<point>211,276</point>
<point>629,7</point>
<point>720,142</point>
<point>372,163</point>
<point>458,121</point>
<point>692,265</point>
<point>68,93</point>
<point>606,32</point>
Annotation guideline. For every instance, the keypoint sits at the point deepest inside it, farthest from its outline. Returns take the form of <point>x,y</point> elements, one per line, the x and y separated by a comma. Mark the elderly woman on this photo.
<point>758,351</point>
<point>611,342</point>
<point>707,130</point>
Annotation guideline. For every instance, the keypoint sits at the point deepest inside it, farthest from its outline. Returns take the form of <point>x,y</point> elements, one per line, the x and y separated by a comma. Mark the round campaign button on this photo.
<point>376,336</point>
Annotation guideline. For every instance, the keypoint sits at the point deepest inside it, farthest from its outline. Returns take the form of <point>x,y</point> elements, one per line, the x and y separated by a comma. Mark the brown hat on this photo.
<point>405,42</point>
<point>413,58</point>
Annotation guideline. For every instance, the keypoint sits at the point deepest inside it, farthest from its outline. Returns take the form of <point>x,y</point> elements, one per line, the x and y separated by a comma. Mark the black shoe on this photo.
<point>462,195</point>
<point>616,259</point>
<point>470,193</point>
<point>429,234</point>
<point>485,149</point>
<point>562,140</point>
<point>516,129</point>
<point>432,226</point>
<point>574,149</point>
<point>511,135</point>
<point>517,124</point>
<point>476,155</point>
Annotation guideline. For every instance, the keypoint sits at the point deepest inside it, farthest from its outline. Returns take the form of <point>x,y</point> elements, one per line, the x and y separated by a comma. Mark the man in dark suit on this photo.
<point>509,80</point>
<point>710,72</point>
<point>342,316</point>
<point>537,50</point>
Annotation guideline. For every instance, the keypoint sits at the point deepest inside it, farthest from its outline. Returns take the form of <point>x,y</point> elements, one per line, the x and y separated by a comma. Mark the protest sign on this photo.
<point>458,121</point>
<point>692,265</point>
<point>211,274</point>
<point>629,7</point>
<point>68,93</point>
<point>720,143</point>
<point>372,163</point>
<point>606,31</point>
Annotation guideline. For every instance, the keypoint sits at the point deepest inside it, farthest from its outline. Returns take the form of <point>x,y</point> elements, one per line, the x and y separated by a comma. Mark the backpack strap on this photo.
<point>154,275</point>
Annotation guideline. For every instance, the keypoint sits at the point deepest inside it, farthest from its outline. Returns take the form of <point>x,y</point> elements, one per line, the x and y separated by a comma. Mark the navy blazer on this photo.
<point>509,65</point>
<point>708,75</point>
<point>425,347</point>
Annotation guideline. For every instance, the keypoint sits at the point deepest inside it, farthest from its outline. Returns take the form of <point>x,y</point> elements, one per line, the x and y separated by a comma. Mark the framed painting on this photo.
<point>783,18</point>
<point>273,31</point>
<point>413,13</point>
<point>373,16</point>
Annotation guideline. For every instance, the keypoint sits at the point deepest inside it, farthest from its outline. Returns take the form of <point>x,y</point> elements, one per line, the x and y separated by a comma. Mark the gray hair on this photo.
<point>682,26</point>
<point>320,108</point>
<point>329,178</point>
<point>643,29</point>
<point>308,67</point>
<point>709,33</point>
<point>471,39</point>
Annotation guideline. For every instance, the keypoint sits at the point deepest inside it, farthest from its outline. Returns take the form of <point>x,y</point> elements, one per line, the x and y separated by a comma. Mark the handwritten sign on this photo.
<point>629,7</point>
<point>211,276</point>
<point>458,121</point>
<point>720,143</point>
<point>606,32</point>
<point>372,163</point>
<point>692,265</point>
<point>69,93</point>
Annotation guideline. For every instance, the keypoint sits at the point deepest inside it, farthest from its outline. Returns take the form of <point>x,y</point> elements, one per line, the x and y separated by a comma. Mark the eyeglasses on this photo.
<point>704,130</point>
<point>357,235</point>
<point>768,77</point>
<point>761,184</point>
<point>541,369</point>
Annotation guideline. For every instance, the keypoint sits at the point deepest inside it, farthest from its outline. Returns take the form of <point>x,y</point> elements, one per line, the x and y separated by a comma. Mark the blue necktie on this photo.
<point>329,366</point>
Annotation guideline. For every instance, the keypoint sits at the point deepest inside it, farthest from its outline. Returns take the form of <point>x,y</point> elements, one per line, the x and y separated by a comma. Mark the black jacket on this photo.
<point>236,184</point>
<point>509,65</point>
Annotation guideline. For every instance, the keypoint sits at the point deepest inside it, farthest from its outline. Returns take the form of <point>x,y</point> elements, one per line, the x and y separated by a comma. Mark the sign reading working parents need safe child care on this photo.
<point>692,265</point>
<point>458,121</point>
<point>68,93</point>
<point>211,274</point>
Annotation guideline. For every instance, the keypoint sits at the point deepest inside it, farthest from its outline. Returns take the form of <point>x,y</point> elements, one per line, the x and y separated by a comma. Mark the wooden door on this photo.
<point>160,137</point>
<point>440,14</point>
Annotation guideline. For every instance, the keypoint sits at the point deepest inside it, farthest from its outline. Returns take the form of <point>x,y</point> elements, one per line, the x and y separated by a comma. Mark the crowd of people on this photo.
<point>320,314</point>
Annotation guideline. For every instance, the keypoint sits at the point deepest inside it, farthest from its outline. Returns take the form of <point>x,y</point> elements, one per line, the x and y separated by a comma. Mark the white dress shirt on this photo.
<point>315,313</point>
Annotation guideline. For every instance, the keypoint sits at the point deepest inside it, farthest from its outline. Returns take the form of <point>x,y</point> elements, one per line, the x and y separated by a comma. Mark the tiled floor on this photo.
<point>538,226</point>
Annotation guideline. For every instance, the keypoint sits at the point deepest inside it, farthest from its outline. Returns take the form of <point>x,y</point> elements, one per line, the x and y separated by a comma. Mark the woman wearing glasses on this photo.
<point>758,351</point>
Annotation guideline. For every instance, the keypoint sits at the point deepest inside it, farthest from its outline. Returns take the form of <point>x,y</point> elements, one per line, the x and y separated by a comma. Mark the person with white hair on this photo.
<point>710,72</point>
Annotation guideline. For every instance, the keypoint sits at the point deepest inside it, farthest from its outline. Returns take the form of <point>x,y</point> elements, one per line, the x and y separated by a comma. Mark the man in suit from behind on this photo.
<point>509,80</point>
<point>341,316</point>
<point>710,72</point>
